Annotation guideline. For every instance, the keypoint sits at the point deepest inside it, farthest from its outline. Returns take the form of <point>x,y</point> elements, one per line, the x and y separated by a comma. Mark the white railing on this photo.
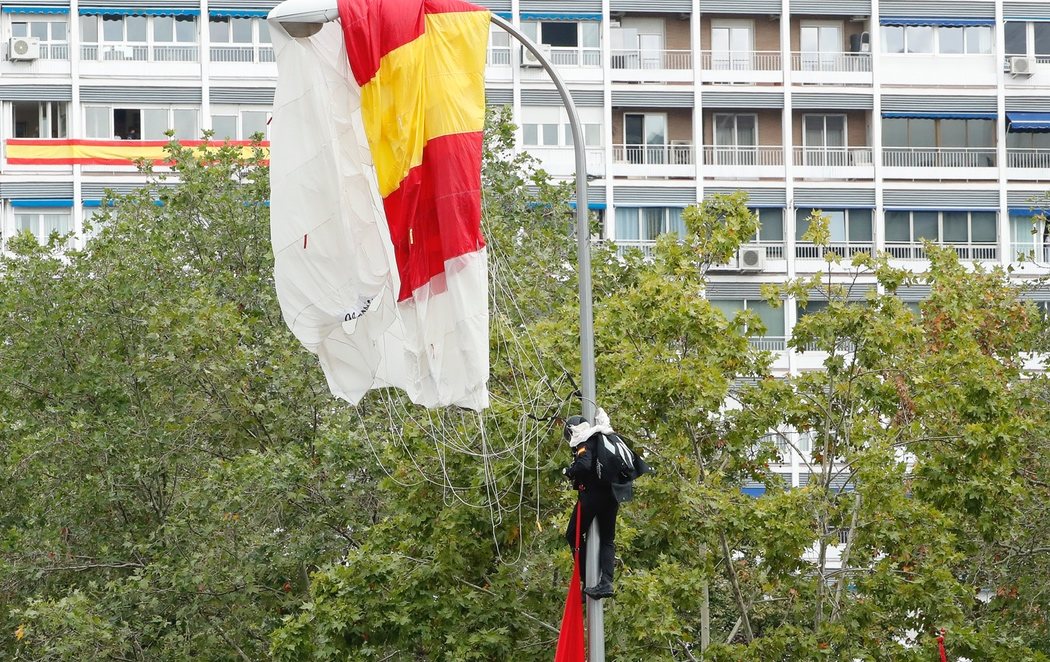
<point>831,62</point>
<point>808,251</point>
<point>246,53</point>
<point>769,343</point>
<point>742,155</point>
<point>498,57</point>
<point>938,157</point>
<point>654,154</point>
<point>567,56</point>
<point>54,51</point>
<point>140,52</point>
<point>1029,251</point>
<point>909,251</point>
<point>841,345</point>
<point>645,246</point>
<point>832,156</point>
<point>740,61</point>
<point>1027,158</point>
<point>646,59</point>
<point>774,249</point>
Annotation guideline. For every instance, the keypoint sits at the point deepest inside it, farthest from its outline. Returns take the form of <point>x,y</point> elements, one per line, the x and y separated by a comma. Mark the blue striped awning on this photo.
<point>754,491</point>
<point>590,205</point>
<point>137,11</point>
<point>239,13</point>
<point>1025,211</point>
<point>1028,122</point>
<point>940,116</point>
<point>943,22</point>
<point>558,16</point>
<point>25,9</point>
<point>42,202</point>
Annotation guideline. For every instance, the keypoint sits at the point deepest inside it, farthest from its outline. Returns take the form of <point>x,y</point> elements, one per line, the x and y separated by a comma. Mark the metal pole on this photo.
<point>595,615</point>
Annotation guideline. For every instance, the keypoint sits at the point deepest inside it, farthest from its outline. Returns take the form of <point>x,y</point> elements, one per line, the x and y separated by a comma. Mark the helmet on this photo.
<point>570,424</point>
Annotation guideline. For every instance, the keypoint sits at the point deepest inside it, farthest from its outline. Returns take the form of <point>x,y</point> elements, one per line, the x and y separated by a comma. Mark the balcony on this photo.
<point>768,343</point>
<point>645,246</point>
<point>675,160</point>
<point>498,56</point>
<point>139,53</point>
<point>831,68</point>
<point>939,162</point>
<point>735,162</point>
<point>741,66</point>
<point>845,249</point>
<point>50,51</point>
<point>834,162</point>
<point>652,65</point>
<point>1028,163</point>
<point>1029,252</point>
<point>246,53</point>
<point>967,252</point>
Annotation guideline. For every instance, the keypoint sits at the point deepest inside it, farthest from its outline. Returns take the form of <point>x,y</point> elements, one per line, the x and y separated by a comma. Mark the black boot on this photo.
<point>604,589</point>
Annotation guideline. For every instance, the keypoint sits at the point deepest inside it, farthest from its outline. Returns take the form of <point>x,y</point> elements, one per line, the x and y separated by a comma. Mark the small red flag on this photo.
<point>570,641</point>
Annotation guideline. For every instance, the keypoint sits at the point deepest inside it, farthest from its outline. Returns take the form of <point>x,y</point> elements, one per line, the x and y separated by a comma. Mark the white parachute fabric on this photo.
<point>334,266</point>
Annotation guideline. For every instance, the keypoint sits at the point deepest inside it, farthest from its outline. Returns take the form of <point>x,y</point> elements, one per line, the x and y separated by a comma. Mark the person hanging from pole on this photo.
<point>602,472</point>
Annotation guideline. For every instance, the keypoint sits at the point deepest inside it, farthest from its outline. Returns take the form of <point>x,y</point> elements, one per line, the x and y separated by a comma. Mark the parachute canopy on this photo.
<point>380,264</point>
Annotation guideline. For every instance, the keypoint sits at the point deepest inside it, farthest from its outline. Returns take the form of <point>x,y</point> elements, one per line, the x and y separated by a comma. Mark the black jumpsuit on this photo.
<point>597,500</point>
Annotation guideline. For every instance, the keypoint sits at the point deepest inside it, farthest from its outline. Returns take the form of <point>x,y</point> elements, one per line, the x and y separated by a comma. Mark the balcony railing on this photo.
<point>808,251</point>
<point>740,61</point>
<point>498,56</point>
<point>832,156</point>
<point>910,251</point>
<point>1029,251</point>
<point>651,59</point>
<point>743,155</point>
<point>1027,158</point>
<point>831,62</point>
<point>938,157</point>
<point>140,52</point>
<point>654,154</point>
<point>246,53</point>
<point>567,56</point>
<point>769,343</point>
<point>646,246</point>
<point>774,249</point>
<point>54,51</point>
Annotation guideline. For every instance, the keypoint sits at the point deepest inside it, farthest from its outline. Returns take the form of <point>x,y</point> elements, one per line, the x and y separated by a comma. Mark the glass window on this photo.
<point>531,29</point>
<point>922,132</point>
<point>59,122</point>
<point>252,122</point>
<point>924,226</point>
<point>979,39</point>
<point>264,33</point>
<point>185,123</point>
<point>956,227</point>
<point>983,227</point>
<point>895,132</point>
<point>951,40</point>
<point>136,26</point>
<point>1042,38</point>
<point>589,34</point>
<point>98,122</point>
<point>801,222</point>
<point>530,134</point>
<point>772,224</point>
<point>112,27</point>
<point>860,225</point>
<point>155,123</point>
<point>127,123</point>
<point>19,29</point>
<point>836,224</point>
<point>59,31</point>
<point>186,29</point>
<point>89,29</point>
<point>224,126</point>
<point>893,39</point>
<point>42,223</point>
<point>652,222</point>
<point>980,133</point>
<point>919,38</point>
<point>675,222</point>
<point>39,30</point>
<point>728,307</point>
<point>772,318</point>
<point>563,34</point>
<point>1016,36</point>
<point>550,134</point>
<point>626,224</point>
<point>241,30</point>
<point>898,226</point>
<point>164,29</point>
<point>219,29</point>
<point>26,119</point>
<point>953,133</point>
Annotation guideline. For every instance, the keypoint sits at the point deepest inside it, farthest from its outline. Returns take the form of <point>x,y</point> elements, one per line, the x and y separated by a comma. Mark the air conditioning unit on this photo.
<point>530,61</point>
<point>24,48</point>
<point>751,258</point>
<point>1022,66</point>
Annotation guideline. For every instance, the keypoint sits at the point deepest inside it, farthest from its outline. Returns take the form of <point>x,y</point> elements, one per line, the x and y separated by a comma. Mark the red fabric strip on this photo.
<point>435,215</point>
<point>373,28</point>
<point>36,142</point>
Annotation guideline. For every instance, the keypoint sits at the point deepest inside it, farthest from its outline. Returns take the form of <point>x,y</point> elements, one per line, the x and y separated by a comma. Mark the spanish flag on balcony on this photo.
<point>380,264</point>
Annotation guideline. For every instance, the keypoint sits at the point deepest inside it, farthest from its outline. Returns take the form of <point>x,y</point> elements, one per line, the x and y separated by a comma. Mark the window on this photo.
<point>645,137</point>
<point>821,45</point>
<point>638,43</point>
<point>140,38</point>
<point>847,226</point>
<point>975,232</point>
<point>239,39</point>
<point>771,225</point>
<point>941,39</point>
<point>648,223</point>
<point>772,318</point>
<point>957,142</point>
<point>547,126</point>
<point>41,223</point>
<point>824,140</point>
<point>572,43</point>
<point>147,123</point>
<point>1016,36</point>
<point>736,139</point>
<point>1028,38</point>
<point>732,45</point>
<point>39,119</point>
<point>499,47</point>
<point>1024,239</point>
<point>592,134</point>
<point>545,135</point>
<point>52,31</point>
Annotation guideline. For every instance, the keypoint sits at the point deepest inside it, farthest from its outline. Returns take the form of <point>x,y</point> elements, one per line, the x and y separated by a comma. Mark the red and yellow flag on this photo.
<point>421,68</point>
